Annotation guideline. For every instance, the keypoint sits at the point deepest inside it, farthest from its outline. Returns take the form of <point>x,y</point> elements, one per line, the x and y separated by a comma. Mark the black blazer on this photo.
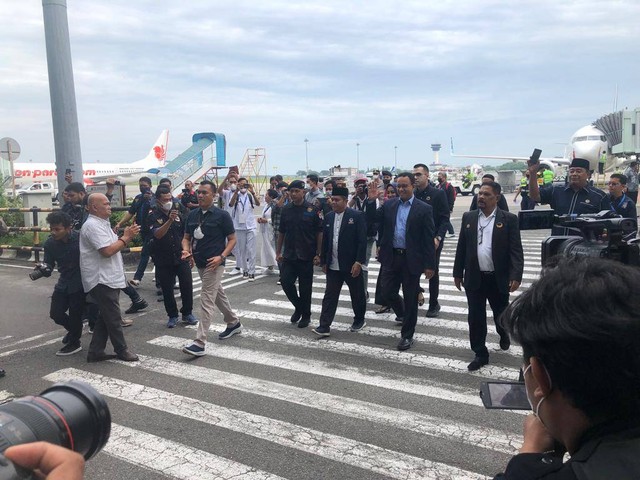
<point>506,251</point>
<point>421,253</point>
<point>352,239</point>
<point>438,201</point>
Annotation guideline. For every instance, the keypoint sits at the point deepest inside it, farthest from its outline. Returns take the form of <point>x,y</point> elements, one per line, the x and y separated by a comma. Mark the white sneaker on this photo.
<point>235,271</point>
<point>450,235</point>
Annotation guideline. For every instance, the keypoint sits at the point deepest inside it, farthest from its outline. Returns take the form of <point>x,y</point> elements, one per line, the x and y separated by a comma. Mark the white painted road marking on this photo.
<point>334,447</point>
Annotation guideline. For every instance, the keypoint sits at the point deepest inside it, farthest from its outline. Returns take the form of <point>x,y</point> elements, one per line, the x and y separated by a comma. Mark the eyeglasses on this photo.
<point>202,192</point>
<point>612,184</point>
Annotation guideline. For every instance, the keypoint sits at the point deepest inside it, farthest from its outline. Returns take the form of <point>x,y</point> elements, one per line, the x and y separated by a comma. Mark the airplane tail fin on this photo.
<point>451,145</point>
<point>157,156</point>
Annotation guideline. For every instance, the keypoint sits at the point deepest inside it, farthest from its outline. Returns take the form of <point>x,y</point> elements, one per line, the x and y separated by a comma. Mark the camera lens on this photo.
<point>73,415</point>
<point>36,274</point>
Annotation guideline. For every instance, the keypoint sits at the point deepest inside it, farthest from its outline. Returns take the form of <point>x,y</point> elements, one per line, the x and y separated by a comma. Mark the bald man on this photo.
<point>103,276</point>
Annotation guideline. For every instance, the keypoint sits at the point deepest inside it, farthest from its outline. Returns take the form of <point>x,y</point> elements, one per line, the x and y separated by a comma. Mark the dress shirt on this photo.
<point>485,233</point>
<point>400,232</point>
<point>337,221</point>
<point>95,268</point>
<point>242,212</point>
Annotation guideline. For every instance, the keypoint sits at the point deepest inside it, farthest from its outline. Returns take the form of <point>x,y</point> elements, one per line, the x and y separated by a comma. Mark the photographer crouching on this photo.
<point>579,330</point>
<point>63,248</point>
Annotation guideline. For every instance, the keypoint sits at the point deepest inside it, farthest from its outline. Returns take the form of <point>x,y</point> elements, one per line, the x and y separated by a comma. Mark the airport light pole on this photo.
<point>395,156</point>
<point>306,153</point>
<point>358,157</point>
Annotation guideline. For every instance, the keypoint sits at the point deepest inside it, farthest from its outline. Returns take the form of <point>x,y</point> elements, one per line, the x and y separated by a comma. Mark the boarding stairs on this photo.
<point>254,168</point>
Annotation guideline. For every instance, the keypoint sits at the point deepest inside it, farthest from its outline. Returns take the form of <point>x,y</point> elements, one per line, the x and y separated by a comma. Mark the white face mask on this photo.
<point>535,409</point>
<point>167,206</point>
<point>243,190</point>
<point>375,177</point>
<point>233,187</point>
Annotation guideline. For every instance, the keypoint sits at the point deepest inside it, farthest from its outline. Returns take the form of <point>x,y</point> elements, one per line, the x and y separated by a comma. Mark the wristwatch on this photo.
<point>223,257</point>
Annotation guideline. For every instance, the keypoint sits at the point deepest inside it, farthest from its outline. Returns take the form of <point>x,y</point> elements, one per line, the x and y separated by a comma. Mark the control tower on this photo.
<point>436,155</point>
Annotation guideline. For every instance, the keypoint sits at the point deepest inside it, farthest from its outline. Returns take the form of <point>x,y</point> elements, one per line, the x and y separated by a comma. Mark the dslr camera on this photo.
<point>40,270</point>
<point>71,414</point>
<point>601,235</point>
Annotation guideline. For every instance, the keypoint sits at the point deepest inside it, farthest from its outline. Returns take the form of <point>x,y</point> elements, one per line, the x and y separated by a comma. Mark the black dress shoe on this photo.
<point>2,372</point>
<point>433,311</point>
<point>100,357</point>
<point>399,321</point>
<point>137,306</point>
<point>304,323</point>
<point>505,342</point>
<point>296,316</point>
<point>477,363</point>
<point>405,344</point>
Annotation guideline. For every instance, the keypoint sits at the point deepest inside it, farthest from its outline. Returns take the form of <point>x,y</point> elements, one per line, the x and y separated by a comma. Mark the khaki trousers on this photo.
<point>212,294</point>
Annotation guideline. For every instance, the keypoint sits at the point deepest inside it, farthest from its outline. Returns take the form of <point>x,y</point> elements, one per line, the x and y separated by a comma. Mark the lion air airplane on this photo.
<point>587,142</point>
<point>95,172</point>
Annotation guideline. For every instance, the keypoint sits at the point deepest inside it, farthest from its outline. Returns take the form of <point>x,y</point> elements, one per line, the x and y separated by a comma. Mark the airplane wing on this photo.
<point>559,161</point>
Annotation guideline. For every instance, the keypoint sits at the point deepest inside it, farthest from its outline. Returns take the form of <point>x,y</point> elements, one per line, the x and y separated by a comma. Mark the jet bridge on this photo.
<point>207,152</point>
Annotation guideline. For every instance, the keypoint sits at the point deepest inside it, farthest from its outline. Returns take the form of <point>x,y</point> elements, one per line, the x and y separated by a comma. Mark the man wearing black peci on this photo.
<point>406,250</point>
<point>344,242</point>
<point>489,263</point>
<point>438,200</point>
<point>298,250</point>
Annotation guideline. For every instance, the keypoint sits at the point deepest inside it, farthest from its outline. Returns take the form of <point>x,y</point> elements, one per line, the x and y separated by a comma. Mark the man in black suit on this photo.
<point>502,202</point>
<point>490,259</point>
<point>344,243</point>
<point>406,251</point>
<point>438,200</point>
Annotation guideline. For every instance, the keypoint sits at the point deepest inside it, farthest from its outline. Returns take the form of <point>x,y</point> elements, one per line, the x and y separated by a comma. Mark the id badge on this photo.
<point>197,234</point>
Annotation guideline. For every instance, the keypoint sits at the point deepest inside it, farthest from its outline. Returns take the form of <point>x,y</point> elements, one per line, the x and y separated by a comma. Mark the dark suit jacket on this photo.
<point>506,250</point>
<point>352,239</point>
<point>438,201</point>
<point>421,253</point>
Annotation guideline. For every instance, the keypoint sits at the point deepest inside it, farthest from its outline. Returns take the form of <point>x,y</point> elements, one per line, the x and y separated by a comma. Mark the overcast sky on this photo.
<point>500,77</point>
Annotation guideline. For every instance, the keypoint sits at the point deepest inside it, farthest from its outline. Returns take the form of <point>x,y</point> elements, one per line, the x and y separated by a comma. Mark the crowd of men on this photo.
<point>408,219</point>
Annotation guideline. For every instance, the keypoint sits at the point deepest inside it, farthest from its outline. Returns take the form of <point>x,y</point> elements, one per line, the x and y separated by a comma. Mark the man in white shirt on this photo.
<point>103,276</point>
<point>344,243</point>
<point>244,222</point>
<point>490,259</point>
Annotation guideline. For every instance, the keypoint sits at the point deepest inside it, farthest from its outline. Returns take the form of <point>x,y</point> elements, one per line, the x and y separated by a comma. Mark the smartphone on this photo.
<point>534,159</point>
<point>67,171</point>
<point>504,395</point>
<point>536,219</point>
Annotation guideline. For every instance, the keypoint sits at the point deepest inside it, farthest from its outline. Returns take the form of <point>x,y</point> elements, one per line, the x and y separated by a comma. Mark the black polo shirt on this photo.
<point>77,213</point>
<point>438,201</point>
<point>166,251</point>
<point>624,206</point>
<point>216,225</point>
<point>187,198</point>
<point>300,226</point>
<point>67,256</point>
<point>564,200</point>
<point>141,207</point>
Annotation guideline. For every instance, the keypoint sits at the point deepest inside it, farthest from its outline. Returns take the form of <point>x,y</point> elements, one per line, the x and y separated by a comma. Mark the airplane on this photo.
<point>587,142</point>
<point>95,172</point>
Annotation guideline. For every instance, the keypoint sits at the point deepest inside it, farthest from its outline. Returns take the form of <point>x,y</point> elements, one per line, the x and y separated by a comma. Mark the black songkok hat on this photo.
<point>580,163</point>
<point>341,192</point>
<point>297,184</point>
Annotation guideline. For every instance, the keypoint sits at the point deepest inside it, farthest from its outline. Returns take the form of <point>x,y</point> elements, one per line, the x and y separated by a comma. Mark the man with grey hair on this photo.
<point>102,273</point>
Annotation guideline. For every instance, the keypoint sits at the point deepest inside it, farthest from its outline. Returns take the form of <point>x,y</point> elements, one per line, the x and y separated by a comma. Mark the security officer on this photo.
<point>300,232</point>
<point>166,223</point>
<point>363,202</point>
<point>73,197</point>
<point>437,199</point>
<point>620,202</point>
<point>523,190</point>
<point>577,197</point>
<point>547,176</point>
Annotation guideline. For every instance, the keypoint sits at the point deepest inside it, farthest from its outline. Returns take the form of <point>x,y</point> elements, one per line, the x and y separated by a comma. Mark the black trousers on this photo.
<point>477,317</point>
<point>301,270</point>
<point>633,196</point>
<point>72,322</point>
<point>335,280</point>
<point>166,275</point>
<point>434,282</point>
<point>109,322</point>
<point>393,276</point>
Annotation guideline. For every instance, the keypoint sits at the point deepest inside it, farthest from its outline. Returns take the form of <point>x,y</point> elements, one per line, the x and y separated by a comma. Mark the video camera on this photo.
<point>71,414</point>
<point>601,235</point>
<point>39,271</point>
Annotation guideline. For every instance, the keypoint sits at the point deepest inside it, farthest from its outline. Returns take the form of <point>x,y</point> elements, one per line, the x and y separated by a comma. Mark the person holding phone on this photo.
<point>580,336</point>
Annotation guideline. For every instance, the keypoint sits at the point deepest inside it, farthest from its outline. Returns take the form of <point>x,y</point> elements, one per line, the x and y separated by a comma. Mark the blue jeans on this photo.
<point>144,259</point>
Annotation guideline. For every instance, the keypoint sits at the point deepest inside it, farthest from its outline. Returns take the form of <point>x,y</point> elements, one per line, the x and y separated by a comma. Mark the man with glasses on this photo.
<point>620,202</point>
<point>489,264</point>
<point>577,197</point>
<point>208,239</point>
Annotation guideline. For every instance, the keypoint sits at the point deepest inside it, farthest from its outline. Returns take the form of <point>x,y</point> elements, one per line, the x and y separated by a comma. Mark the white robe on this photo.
<point>267,250</point>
